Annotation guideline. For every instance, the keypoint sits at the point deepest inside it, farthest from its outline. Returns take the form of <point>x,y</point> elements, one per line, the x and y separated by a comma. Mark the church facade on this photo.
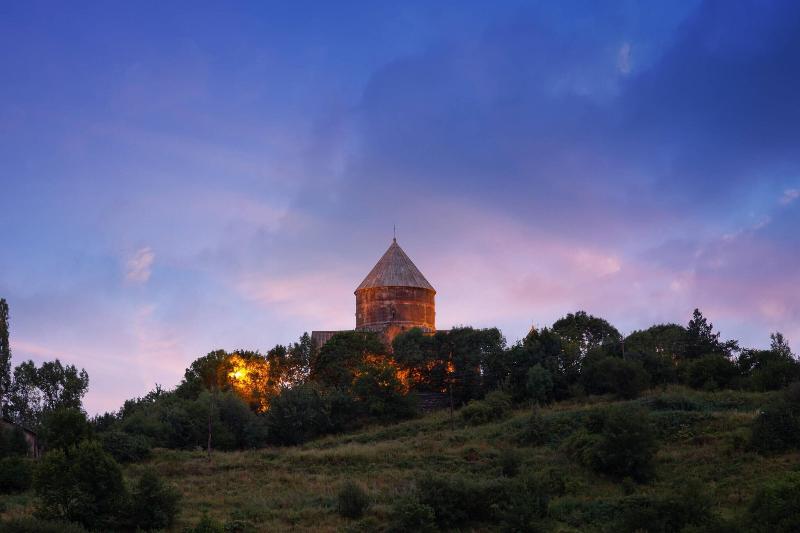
<point>394,297</point>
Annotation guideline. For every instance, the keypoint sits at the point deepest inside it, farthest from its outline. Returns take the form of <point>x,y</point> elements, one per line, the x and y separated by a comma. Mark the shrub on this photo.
<point>690,505</point>
<point>777,428</point>
<point>206,524</point>
<point>495,406</point>
<point>539,384</point>
<point>523,505</point>
<point>124,447</point>
<point>612,375</point>
<point>15,475</point>
<point>618,442</point>
<point>510,462</point>
<point>352,501</point>
<point>409,514</point>
<point>776,506</point>
<point>154,504</point>
<point>84,487</point>
<point>30,524</point>
<point>456,500</point>
<point>536,431</point>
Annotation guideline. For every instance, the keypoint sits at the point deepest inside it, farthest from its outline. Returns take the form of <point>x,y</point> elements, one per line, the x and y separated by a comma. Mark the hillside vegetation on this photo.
<point>701,446</point>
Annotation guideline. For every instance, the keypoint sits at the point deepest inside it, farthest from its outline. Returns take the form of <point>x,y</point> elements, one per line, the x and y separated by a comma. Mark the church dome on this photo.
<point>395,296</point>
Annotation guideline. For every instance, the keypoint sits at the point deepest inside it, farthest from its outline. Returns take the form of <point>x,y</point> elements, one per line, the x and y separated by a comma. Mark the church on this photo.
<point>393,298</point>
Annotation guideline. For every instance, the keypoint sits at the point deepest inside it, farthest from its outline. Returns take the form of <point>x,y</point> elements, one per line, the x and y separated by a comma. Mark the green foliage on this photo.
<point>379,394</point>
<point>36,391</point>
<point>539,384</point>
<point>301,413</point>
<point>618,442</point>
<point>12,442</point>
<point>206,524</point>
<point>702,341</point>
<point>85,486</point>
<point>777,427</point>
<point>408,514</point>
<point>536,431</point>
<point>5,357</point>
<point>352,500</point>
<point>341,358</point>
<point>523,505</point>
<point>124,447</point>
<point>689,505</point>
<point>16,474</point>
<point>31,524</point>
<point>153,503</point>
<point>510,462</point>
<point>63,428</point>
<point>495,406</point>
<point>776,506</point>
<point>711,372</point>
<point>612,375</point>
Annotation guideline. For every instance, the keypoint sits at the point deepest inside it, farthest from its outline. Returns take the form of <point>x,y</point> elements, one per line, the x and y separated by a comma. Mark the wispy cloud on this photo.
<point>624,59</point>
<point>139,267</point>
<point>789,196</point>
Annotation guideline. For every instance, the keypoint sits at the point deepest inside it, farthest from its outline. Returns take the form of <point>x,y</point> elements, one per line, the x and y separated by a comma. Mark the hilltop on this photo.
<point>701,437</point>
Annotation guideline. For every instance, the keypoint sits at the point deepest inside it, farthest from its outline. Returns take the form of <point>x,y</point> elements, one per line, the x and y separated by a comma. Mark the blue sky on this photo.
<point>184,177</point>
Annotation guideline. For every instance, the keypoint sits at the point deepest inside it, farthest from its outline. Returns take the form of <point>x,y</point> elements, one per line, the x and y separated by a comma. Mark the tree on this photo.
<point>540,384</point>
<point>780,345</point>
<point>5,357</point>
<point>38,390</point>
<point>343,355</point>
<point>701,339</point>
<point>64,428</point>
<point>583,332</point>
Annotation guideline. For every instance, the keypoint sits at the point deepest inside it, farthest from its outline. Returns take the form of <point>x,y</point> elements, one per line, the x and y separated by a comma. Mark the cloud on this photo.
<point>789,196</point>
<point>139,267</point>
<point>624,59</point>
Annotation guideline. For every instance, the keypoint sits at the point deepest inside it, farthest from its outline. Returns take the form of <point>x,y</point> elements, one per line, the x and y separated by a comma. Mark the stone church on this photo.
<point>394,297</point>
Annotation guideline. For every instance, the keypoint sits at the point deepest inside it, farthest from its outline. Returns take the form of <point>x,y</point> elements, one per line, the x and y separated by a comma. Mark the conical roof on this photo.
<point>395,269</point>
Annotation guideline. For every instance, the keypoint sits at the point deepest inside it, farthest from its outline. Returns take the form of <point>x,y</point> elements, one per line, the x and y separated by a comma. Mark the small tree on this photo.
<point>154,504</point>
<point>64,428</point>
<point>5,357</point>
<point>776,506</point>
<point>539,384</point>
<point>84,487</point>
<point>352,500</point>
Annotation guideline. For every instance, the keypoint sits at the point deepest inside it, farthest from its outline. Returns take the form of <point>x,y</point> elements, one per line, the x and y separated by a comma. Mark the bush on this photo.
<point>37,525</point>
<point>352,501</point>
<point>618,442</point>
<point>154,504</point>
<point>510,461</point>
<point>408,514</point>
<point>536,431</point>
<point>16,474</point>
<point>777,428</point>
<point>206,524</point>
<point>612,375</point>
<point>495,406</point>
<point>456,500</point>
<point>776,506</point>
<point>85,486</point>
<point>124,447</point>
<point>673,513</point>
<point>523,505</point>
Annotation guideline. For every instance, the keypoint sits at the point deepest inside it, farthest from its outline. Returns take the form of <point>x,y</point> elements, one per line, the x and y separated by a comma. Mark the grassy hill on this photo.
<point>702,436</point>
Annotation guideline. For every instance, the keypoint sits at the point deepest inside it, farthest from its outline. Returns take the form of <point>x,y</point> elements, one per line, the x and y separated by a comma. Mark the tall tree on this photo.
<point>5,357</point>
<point>701,339</point>
<point>780,345</point>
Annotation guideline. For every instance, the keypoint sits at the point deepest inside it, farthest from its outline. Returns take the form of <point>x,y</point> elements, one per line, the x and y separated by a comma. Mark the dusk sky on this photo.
<point>177,179</point>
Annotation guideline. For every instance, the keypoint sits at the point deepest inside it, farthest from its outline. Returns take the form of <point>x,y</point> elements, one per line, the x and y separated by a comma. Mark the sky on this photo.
<point>181,177</point>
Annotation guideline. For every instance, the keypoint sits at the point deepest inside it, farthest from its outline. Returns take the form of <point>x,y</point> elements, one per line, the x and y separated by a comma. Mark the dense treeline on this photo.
<point>292,394</point>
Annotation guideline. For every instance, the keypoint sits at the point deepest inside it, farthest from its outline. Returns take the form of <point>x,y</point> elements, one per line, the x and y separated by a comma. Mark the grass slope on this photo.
<point>702,437</point>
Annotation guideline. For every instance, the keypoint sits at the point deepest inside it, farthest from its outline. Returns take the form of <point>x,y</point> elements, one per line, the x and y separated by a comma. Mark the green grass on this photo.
<point>278,489</point>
